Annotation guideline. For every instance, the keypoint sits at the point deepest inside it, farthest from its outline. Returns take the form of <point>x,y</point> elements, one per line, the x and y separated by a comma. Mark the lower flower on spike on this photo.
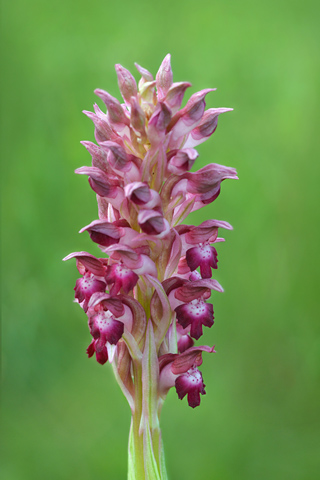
<point>86,287</point>
<point>119,277</point>
<point>195,313</point>
<point>203,256</point>
<point>104,326</point>
<point>191,384</point>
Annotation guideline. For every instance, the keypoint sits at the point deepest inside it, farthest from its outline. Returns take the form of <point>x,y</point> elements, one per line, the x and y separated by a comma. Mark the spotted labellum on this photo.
<point>147,294</point>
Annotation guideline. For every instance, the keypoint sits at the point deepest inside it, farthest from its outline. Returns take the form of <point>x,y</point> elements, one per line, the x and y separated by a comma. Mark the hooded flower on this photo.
<point>181,371</point>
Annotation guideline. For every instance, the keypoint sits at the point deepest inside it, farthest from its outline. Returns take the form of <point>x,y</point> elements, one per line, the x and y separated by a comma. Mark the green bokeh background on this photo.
<point>63,415</point>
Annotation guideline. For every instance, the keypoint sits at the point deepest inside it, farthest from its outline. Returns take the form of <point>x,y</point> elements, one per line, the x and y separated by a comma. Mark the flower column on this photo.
<point>145,300</point>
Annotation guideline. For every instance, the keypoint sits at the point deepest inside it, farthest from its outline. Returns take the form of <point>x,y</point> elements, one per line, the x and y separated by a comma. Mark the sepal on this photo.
<point>164,77</point>
<point>175,95</point>
<point>86,261</point>
<point>115,112</point>
<point>206,127</point>
<point>181,161</point>
<point>190,116</point>
<point>126,82</point>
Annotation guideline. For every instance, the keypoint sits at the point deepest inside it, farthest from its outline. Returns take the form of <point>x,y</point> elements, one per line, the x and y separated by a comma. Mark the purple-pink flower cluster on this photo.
<point>155,271</point>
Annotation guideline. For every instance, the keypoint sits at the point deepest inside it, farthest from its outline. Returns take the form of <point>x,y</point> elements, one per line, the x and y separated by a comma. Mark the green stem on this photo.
<point>145,450</point>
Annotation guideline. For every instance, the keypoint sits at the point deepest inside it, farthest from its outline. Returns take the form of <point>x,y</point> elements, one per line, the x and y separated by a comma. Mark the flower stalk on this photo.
<point>146,297</point>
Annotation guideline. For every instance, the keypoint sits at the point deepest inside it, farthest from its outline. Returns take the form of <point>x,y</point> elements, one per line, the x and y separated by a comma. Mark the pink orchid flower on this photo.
<point>146,298</point>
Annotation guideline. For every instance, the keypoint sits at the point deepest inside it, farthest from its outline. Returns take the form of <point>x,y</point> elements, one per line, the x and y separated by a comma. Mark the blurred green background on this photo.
<point>63,415</point>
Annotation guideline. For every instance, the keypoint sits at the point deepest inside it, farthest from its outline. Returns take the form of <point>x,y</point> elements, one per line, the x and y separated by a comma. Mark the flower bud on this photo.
<point>164,77</point>
<point>126,82</point>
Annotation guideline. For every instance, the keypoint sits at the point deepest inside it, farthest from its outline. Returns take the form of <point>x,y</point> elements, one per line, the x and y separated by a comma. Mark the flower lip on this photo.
<point>86,286</point>
<point>104,327</point>
<point>195,313</point>
<point>119,277</point>
<point>190,384</point>
<point>204,256</point>
<point>100,351</point>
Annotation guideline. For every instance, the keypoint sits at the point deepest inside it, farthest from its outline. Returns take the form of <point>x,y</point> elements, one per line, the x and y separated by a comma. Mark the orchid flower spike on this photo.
<point>146,296</point>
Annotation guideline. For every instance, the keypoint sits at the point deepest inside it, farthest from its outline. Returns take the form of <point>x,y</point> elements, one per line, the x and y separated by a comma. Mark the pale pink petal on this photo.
<point>126,82</point>
<point>164,77</point>
<point>115,111</point>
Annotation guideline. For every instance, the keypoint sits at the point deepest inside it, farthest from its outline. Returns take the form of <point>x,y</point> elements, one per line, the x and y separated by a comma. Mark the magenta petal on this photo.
<point>204,256</point>
<point>91,349</point>
<point>130,257</point>
<point>104,325</point>
<point>102,356</point>
<point>184,343</point>
<point>196,314</point>
<point>100,350</point>
<point>120,277</point>
<point>114,331</point>
<point>86,287</point>
<point>191,384</point>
